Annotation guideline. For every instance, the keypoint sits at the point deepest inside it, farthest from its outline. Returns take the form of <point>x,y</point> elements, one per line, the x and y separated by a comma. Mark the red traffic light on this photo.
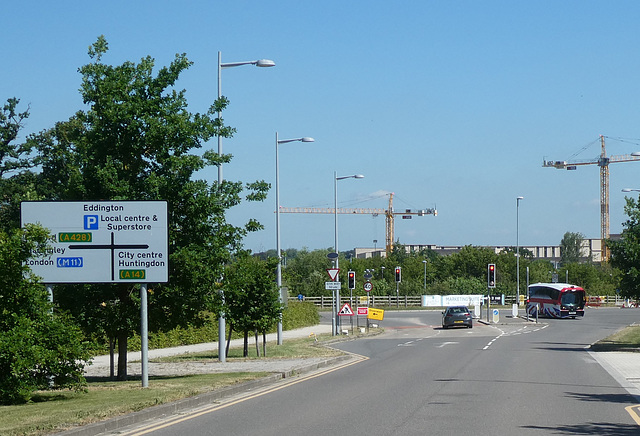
<point>491,275</point>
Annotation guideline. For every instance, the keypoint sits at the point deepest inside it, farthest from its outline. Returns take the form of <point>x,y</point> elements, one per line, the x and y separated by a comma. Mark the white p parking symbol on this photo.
<point>91,222</point>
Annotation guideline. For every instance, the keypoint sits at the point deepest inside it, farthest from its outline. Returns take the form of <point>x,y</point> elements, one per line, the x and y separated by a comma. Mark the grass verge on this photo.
<point>290,349</point>
<point>627,339</point>
<point>50,412</point>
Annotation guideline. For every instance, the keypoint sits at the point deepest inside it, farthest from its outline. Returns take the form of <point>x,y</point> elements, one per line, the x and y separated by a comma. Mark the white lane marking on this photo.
<point>447,343</point>
<point>522,330</point>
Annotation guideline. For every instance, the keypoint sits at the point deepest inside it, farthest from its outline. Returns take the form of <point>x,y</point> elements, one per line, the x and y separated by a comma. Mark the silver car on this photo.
<point>457,316</point>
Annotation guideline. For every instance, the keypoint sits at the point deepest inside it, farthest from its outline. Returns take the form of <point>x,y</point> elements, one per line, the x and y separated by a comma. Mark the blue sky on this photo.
<point>448,104</point>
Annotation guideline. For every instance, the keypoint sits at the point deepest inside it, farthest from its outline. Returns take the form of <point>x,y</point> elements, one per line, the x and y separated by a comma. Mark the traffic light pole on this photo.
<point>488,302</point>
<point>491,283</point>
<point>398,280</point>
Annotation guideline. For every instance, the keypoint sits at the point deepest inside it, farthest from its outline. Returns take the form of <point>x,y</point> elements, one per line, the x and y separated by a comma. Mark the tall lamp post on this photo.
<point>518,248</point>
<point>222,66</point>
<point>278,249</point>
<point>259,63</point>
<point>335,215</point>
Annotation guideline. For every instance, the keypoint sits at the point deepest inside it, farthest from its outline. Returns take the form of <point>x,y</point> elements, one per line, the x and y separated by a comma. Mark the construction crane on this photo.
<point>389,215</point>
<point>603,162</point>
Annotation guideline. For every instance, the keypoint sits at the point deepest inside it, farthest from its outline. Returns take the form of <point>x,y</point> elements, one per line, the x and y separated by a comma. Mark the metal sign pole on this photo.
<point>144,335</point>
<point>333,313</point>
<point>488,302</point>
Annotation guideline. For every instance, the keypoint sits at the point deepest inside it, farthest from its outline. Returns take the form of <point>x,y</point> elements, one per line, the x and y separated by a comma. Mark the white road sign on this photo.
<point>333,273</point>
<point>332,286</point>
<point>102,241</point>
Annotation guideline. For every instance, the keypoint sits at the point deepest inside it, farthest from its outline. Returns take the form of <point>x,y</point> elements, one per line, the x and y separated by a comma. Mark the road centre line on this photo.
<point>520,331</point>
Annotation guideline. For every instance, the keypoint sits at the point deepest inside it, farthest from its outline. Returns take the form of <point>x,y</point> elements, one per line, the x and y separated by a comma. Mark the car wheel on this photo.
<point>444,326</point>
<point>470,326</point>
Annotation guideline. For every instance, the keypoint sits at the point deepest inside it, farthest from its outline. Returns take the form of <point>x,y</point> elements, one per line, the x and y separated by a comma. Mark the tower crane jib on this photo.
<point>603,162</point>
<point>388,213</point>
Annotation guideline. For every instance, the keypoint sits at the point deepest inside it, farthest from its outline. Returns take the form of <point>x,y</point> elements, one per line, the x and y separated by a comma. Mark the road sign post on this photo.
<point>103,242</point>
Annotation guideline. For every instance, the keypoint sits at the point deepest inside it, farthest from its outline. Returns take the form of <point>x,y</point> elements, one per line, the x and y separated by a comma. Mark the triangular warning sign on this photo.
<point>333,273</point>
<point>346,310</point>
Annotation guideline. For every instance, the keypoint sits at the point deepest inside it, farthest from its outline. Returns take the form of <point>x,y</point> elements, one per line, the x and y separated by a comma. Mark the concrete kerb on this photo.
<point>164,410</point>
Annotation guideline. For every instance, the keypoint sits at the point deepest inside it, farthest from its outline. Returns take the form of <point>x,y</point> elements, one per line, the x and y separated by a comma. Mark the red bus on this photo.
<point>556,300</point>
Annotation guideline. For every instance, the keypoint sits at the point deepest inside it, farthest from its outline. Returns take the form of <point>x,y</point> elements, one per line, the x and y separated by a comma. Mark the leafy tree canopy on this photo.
<point>252,295</point>
<point>137,140</point>
<point>39,348</point>
<point>17,182</point>
<point>625,253</point>
<point>571,247</point>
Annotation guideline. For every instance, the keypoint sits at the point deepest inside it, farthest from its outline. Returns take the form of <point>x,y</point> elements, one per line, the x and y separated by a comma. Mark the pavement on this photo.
<point>100,366</point>
<point>623,366</point>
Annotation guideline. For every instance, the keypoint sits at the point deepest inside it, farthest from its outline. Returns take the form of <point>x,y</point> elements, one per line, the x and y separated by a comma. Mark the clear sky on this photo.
<point>448,104</point>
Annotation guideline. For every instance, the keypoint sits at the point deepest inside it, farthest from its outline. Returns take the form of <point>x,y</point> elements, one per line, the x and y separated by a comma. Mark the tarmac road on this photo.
<point>624,367</point>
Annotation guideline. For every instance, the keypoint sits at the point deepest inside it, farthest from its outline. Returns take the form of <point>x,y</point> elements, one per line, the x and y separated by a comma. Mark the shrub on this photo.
<point>299,314</point>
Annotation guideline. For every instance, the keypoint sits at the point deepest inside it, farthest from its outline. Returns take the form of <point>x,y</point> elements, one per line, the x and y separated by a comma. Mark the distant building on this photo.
<point>591,248</point>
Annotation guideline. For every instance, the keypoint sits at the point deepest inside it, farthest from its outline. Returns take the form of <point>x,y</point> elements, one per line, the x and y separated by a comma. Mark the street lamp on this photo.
<point>278,250</point>
<point>335,215</point>
<point>630,189</point>
<point>335,204</point>
<point>518,248</point>
<point>222,66</point>
<point>259,63</point>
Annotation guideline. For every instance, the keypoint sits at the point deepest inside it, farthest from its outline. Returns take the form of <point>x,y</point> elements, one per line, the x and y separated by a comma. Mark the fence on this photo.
<point>416,300</point>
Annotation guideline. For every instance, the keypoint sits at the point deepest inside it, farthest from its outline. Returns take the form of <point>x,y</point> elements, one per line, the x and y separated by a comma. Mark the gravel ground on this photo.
<point>101,366</point>
<point>195,367</point>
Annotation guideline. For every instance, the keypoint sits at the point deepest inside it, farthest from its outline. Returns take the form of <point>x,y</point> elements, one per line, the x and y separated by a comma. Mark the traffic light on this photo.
<point>491,275</point>
<point>352,279</point>
<point>398,274</point>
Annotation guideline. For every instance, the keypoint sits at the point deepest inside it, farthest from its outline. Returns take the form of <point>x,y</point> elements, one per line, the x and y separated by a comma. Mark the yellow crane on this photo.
<point>603,162</point>
<point>388,213</point>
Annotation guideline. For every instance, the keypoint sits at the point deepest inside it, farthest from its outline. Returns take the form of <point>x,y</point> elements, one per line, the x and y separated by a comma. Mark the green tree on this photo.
<point>595,279</point>
<point>252,296</point>
<point>17,181</point>
<point>137,141</point>
<point>472,261</point>
<point>306,273</point>
<point>625,253</point>
<point>570,247</point>
<point>39,348</point>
